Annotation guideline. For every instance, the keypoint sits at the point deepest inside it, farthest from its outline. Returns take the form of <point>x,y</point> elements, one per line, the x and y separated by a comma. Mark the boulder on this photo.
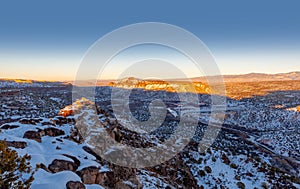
<point>75,185</point>
<point>44,167</point>
<point>16,144</point>
<point>89,174</point>
<point>8,126</point>
<point>62,165</point>
<point>33,135</point>
<point>30,121</point>
<point>75,160</point>
<point>51,131</point>
<point>59,120</point>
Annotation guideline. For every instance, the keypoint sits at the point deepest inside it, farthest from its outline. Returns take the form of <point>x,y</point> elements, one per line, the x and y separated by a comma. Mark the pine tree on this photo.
<point>12,169</point>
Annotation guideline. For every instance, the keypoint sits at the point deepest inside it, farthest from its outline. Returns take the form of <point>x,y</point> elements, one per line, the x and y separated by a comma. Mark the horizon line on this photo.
<point>111,79</point>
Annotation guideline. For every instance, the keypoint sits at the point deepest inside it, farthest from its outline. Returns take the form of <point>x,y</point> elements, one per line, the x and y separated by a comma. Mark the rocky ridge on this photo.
<point>170,86</point>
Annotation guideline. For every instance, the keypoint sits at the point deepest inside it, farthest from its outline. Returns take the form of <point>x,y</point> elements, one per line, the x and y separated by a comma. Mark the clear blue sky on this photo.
<point>47,39</point>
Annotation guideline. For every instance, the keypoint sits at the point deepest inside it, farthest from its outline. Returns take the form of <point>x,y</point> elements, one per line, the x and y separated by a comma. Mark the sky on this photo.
<point>47,40</point>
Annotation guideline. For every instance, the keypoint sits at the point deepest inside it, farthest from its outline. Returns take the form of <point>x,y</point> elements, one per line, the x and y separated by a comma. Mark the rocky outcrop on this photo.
<point>44,167</point>
<point>47,123</point>
<point>36,135</point>
<point>75,160</point>
<point>8,126</point>
<point>170,86</point>
<point>176,173</point>
<point>116,173</point>
<point>78,105</point>
<point>33,135</point>
<point>89,174</point>
<point>67,111</point>
<point>76,136</point>
<point>75,185</point>
<point>59,120</point>
<point>51,131</point>
<point>106,178</point>
<point>62,165</point>
<point>16,144</point>
<point>123,173</point>
<point>30,121</point>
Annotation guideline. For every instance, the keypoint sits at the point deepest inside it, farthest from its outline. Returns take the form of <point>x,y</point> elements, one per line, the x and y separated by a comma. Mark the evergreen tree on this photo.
<point>13,168</point>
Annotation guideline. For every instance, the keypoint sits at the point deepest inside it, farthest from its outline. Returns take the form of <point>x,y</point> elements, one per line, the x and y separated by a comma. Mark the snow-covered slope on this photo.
<point>66,160</point>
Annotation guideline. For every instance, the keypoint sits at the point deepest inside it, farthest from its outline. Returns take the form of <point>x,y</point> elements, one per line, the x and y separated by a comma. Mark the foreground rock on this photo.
<point>89,174</point>
<point>36,135</point>
<point>62,165</point>
<point>33,135</point>
<point>75,185</point>
<point>50,131</point>
<point>16,144</point>
<point>8,126</point>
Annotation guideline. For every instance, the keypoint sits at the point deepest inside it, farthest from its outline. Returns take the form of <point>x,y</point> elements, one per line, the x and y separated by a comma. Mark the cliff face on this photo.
<point>77,106</point>
<point>170,86</point>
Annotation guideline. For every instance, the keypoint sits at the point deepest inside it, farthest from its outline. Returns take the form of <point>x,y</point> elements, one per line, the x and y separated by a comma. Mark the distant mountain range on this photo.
<point>250,77</point>
<point>255,77</point>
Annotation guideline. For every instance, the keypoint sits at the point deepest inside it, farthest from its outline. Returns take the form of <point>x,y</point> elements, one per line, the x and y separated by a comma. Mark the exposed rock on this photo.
<point>77,106</point>
<point>16,144</point>
<point>51,131</point>
<point>225,159</point>
<point>176,173</point>
<point>76,136</point>
<point>70,120</point>
<point>88,174</point>
<point>47,123</point>
<point>7,126</point>
<point>62,165</point>
<point>59,120</point>
<point>90,151</point>
<point>125,185</point>
<point>76,161</point>
<point>30,121</point>
<point>75,185</point>
<point>44,167</point>
<point>67,111</point>
<point>106,178</point>
<point>116,134</point>
<point>27,121</point>
<point>33,135</point>
<point>123,173</point>
<point>171,86</point>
